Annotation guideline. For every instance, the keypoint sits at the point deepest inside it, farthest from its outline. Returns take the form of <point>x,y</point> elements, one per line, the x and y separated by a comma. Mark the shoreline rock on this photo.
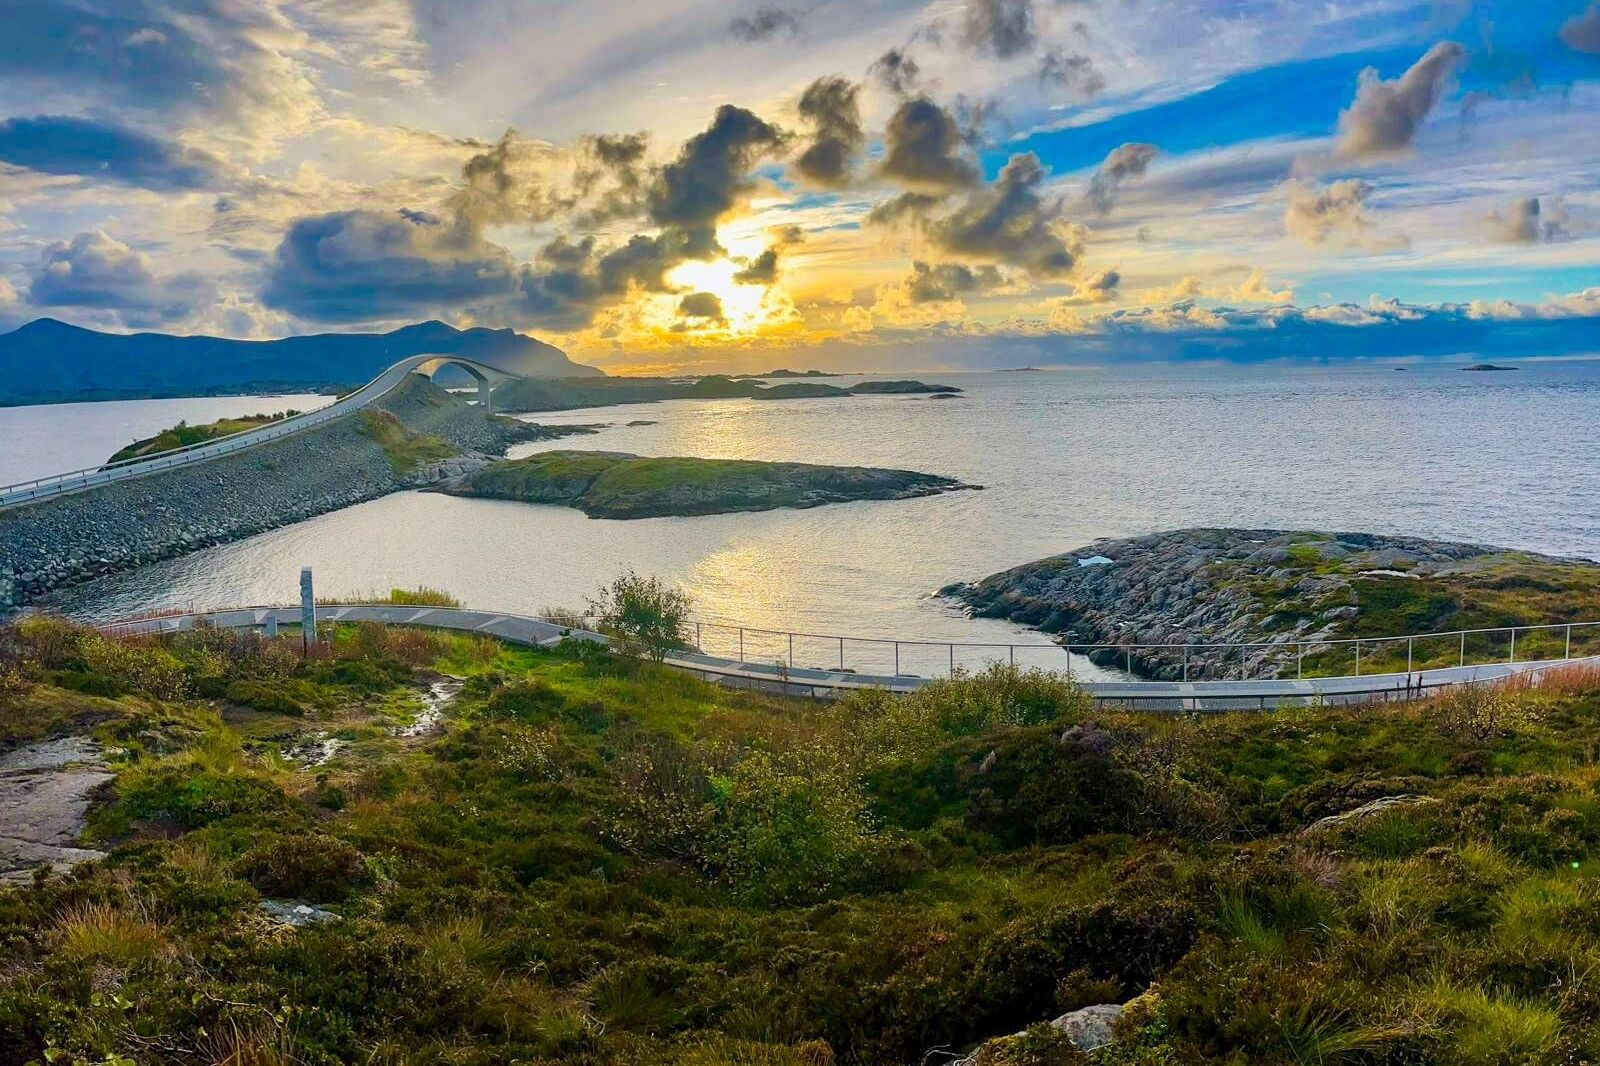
<point>1263,586</point>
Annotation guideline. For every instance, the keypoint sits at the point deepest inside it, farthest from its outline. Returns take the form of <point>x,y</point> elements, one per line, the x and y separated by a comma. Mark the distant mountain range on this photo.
<point>47,361</point>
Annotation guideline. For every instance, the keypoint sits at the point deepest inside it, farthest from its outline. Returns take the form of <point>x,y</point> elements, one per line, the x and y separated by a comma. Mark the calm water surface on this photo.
<point>1507,458</point>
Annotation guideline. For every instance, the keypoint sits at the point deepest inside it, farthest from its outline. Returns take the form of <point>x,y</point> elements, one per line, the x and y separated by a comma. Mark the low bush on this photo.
<point>318,868</point>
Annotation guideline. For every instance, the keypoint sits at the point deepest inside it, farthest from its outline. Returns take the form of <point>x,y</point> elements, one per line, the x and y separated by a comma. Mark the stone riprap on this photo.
<point>1201,587</point>
<point>126,524</point>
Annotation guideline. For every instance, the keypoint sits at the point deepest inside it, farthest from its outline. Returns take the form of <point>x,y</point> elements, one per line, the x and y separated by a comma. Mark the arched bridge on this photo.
<point>77,480</point>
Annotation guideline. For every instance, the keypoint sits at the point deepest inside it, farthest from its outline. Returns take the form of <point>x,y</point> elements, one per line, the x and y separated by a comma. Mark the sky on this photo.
<point>852,184</point>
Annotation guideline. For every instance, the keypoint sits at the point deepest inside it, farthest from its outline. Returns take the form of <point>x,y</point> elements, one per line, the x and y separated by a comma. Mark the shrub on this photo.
<point>643,615</point>
<point>268,696</point>
<point>1038,1045</point>
<point>1483,712</point>
<point>146,668</point>
<point>105,933</point>
<point>194,796</point>
<point>794,829</point>
<point>319,868</point>
<point>896,727</point>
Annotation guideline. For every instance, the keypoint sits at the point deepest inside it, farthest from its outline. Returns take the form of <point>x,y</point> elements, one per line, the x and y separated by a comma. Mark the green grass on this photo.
<point>406,450</point>
<point>603,862</point>
<point>182,435</point>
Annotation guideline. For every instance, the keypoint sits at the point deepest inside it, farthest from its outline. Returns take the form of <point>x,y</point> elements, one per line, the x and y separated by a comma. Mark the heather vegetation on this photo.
<point>598,860</point>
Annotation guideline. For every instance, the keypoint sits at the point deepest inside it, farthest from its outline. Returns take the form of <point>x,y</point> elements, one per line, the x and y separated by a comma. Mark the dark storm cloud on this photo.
<point>711,173</point>
<point>924,148</point>
<point>355,266</point>
<point>1123,164</point>
<point>765,23</point>
<point>1581,33</point>
<point>569,281</point>
<point>705,305</point>
<point>1385,115</point>
<point>763,269</point>
<point>937,282</point>
<point>1001,28</point>
<point>94,270</point>
<point>1009,223</point>
<point>612,180</point>
<point>1072,71</point>
<point>897,71</point>
<point>60,144</point>
<point>831,106</point>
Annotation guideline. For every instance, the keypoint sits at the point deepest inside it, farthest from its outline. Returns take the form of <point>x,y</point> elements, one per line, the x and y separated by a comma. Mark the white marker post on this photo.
<point>308,611</point>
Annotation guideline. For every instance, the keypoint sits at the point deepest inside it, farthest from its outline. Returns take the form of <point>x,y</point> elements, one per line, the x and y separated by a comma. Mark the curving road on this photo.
<point>77,480</point>
<point>1165,696</point>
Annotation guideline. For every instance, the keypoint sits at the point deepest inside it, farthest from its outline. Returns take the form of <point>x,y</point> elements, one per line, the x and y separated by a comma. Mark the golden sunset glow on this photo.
<point>742,304</point>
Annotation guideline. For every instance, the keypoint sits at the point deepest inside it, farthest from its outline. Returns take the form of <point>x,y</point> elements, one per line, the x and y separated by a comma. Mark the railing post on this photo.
<point>952,660</point>
<point>741,643</point>
<point>791,651</point>
<point>1127,658</point>
<point>1012,648</point>
<point>1513,657</point>
<point>1463,660</point>
<point>1568,653</point>
<point>1186,661</point>
<point>1299,661</point>
<point>897,658</point>
<point>841,655</point>
<point>1358,658</point>
<point>698,643</point>
<point>1069,662</point>
<point>1410,643</point>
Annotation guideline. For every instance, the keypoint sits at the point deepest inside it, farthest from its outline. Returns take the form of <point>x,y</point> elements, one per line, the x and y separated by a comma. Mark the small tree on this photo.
<point>642,615</point>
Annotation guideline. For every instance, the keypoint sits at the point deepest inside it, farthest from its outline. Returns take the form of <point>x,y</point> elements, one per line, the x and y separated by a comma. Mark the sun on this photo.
<point>742,304</point>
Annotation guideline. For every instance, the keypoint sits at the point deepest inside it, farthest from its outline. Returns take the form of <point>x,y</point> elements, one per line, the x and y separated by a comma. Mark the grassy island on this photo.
<point>182,435</point>
<point>591,860</point>
<point>618,485</point>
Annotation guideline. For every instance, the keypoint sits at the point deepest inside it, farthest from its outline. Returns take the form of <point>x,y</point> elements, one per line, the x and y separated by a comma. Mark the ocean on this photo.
<point>1064,457</point>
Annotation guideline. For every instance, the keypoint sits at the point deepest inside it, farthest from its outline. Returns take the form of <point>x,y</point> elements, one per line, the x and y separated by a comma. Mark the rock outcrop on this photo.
<point>1202,587</point>
<point>45,792</point>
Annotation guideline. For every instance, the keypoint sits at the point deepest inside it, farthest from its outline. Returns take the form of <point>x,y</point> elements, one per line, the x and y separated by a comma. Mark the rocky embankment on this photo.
<point>416,435</point>
<point>528,395</point>
<point>618,485</point>
<point>1218,586</point>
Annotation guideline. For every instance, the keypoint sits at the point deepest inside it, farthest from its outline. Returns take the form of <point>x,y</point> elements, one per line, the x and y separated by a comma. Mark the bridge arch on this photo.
<point>486,376</point>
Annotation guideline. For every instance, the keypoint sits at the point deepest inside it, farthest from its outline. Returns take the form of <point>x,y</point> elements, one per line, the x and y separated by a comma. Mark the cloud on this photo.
<point>763,269</point>
<point>1254,288</point>
<point>831,106</point>
<point>1581,33</point>
<point>932,283</point>
<point>1526,222</point>
<point>925,150</point>
<point>228,63</point>
<point>1008,223</point>
<point>8,293</point>
<point>709,177</point>
<point>1185,288</point>
<point>705,305</point>
<point>766,22</point>
<point>1124,164</point>
<point>95,270</point>
<point>1001,28</point>
<point>897,71</point>
<point>1334,214</point>
<point>1070,70</point>
<point>569,281</point>
<point>60,144</point>
<point>1384,118</point>
<point>361,265</point>
<point>1097,288</point>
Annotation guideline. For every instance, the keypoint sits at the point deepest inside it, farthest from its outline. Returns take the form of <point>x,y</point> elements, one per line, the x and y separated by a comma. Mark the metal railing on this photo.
<point>144,465</point>
<point>1188,661</point>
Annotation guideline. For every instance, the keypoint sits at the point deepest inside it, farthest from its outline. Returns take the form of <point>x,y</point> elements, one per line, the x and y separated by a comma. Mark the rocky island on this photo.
<point>619,485</point>
<point>1210,586</point>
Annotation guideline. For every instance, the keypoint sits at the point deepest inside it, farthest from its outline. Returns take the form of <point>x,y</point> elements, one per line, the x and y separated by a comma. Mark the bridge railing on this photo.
<point>141,466</point>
